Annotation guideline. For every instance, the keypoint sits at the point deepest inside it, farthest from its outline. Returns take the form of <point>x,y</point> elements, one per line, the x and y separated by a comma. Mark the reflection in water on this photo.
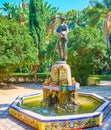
<point>86,105</point>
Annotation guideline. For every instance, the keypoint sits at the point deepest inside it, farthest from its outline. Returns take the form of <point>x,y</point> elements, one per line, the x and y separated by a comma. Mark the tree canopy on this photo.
<point>38,30</point>
<point>87,31</point>
<point>86,52</point>
<point>16,46</point>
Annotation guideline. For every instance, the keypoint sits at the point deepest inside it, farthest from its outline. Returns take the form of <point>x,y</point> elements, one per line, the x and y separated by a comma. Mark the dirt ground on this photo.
<point>8,92</point>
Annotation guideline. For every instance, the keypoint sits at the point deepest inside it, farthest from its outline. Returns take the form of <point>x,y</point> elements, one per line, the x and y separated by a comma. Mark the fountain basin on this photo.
<point>61,122</point>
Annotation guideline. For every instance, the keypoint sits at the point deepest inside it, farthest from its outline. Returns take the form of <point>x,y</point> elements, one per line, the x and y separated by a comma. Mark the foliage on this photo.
<point>92,81</point>
<point>8,8</point>
<point>16,46</point>
<point>103,10</point>
<point>24,77</point>
<point>19,13</point>
<point>37,20</point>
<point>51,55</point>
<point>103,77</point>
<point>75,19</point>
<point>37,25</point>
<point>93,16</point>
<point>50,14</point>
<point>86,46</point>
<point>95,79</point>
<point>86,52</point>
<point>41,76</point>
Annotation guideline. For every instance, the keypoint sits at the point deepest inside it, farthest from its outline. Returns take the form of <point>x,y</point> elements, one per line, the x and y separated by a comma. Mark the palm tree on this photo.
<point>22,12</point>
<point>104,11</point>
<point>19,13</point>
<point>75,18</point>
<point>8,8</point>
<point>51,21</point>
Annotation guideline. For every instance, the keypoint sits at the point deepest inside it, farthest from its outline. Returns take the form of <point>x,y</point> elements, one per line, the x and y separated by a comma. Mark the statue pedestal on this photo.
<point>62,90</point>
<point>61,74</point>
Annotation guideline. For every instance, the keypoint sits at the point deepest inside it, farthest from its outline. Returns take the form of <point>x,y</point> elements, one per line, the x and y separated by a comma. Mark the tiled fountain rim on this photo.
<point>99,111</point>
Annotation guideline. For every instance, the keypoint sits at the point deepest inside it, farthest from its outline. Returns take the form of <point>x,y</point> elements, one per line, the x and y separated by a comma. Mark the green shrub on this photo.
<point>25,77</point>
<point>86,53</point>
<point>93,81</point>
<point>105,77</point>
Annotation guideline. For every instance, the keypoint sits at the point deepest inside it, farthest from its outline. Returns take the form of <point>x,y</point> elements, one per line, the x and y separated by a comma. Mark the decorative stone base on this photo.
<point>61,74</point>
<point>60,96</point>
<point>61,90</point>
<point>66,122</point>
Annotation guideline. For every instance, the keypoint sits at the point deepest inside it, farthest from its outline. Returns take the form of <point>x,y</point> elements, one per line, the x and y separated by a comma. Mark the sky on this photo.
<point>64,5</point>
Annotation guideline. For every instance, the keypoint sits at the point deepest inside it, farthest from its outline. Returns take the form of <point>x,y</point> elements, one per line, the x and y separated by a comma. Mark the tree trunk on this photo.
<point>35,74</point>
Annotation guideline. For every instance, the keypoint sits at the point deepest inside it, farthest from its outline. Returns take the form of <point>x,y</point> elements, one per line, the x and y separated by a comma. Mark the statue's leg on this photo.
<point>65,49</point>
<point>62,49</point>
<point>59,48</point>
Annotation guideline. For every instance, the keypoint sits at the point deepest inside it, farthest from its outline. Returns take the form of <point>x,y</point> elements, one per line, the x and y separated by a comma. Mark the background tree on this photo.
<point>51,21</point>
<point>75,19</point>
<point>37,22</point>
<point>22,12</point>
<point>86,52</point>
<point>18,12</point>
<point>17,49</point>
<point>104,11</point>
<point>9,9</point>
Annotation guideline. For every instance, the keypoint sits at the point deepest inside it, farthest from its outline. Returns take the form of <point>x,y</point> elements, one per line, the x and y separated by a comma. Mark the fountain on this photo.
<point>60,106</point>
